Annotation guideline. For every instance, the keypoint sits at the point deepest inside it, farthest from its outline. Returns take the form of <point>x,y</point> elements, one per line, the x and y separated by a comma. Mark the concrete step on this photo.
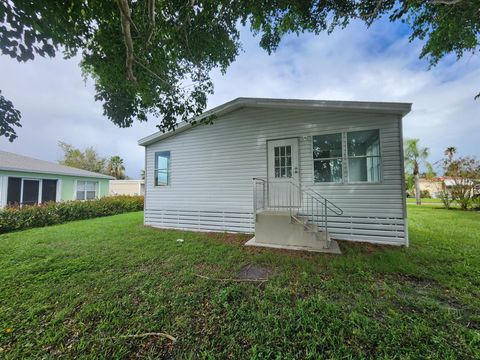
<point>278,228</point>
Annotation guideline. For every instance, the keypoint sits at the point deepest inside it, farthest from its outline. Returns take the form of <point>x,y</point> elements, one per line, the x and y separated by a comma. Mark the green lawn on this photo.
<point>75,290</point>
<point>411,200</point>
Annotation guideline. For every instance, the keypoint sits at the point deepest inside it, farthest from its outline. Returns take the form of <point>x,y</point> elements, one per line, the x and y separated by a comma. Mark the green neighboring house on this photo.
<point>25,180</point>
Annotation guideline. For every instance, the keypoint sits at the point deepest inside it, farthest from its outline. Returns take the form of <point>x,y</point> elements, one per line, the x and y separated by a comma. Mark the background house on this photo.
<point>436,185</point>
<point>25,180</point>
<point>127,187</point>
<point>433,186</point>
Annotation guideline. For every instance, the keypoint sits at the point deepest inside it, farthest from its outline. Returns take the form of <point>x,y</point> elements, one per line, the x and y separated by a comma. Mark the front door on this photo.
<point>283,174</point>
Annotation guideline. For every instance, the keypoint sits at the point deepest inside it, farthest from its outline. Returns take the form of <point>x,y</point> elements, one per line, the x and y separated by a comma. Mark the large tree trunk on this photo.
<point>417,189</point>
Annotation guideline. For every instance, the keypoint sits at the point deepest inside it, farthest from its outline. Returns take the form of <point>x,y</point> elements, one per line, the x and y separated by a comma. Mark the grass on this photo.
<point>73,290</point>
<point>411,200</point>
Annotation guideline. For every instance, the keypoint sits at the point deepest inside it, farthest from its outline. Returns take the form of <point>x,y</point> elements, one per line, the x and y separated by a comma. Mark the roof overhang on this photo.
<point>49,172</point>
<point>394,108</point>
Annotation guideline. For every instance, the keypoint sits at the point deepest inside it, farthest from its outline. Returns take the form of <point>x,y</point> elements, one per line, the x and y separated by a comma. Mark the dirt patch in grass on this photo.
<point>254,272</point>
<point>364,247</point>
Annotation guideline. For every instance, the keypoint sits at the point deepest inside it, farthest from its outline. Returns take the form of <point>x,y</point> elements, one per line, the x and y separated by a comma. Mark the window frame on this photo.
<point>341,158</point>
<point>168,169</point>
<point>85,190</point>
<point>345,157</point>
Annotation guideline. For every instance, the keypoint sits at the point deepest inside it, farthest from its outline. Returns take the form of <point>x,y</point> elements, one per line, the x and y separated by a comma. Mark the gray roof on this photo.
<point>396,108</point>
<point>15,162</point>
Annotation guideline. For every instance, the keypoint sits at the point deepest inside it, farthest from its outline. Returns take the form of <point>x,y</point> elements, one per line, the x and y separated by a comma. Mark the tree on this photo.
<point>464,172</point>
<point>450,152</point>
<point>116,168</point>
<point>166,49</point>
<point>9,117</point>
<point>416,156</point>
<point>88,159</point>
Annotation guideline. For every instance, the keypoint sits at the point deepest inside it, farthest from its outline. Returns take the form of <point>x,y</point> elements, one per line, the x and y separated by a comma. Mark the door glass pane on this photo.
<point>328,170</point>
<point>49,190</point>
<point>13,191</point>
<point>30,191</point>
<point>327,146</point>
<point>363,143</point>
<point>283,161</point>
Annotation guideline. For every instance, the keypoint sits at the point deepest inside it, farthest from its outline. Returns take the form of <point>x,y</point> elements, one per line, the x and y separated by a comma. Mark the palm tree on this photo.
<point>415,156</point>
<point>449,152</point>
<point>116,168</point>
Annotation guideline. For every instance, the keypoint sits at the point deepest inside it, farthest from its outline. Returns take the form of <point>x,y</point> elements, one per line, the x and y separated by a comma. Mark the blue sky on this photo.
<point>376,64</point>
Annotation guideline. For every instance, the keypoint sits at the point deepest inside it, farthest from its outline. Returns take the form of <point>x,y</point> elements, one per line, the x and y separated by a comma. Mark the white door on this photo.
<point>283,174</point>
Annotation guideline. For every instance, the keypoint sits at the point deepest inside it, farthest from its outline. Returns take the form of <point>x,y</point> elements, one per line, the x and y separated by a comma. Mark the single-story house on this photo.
<point>25,180</point>
<point>435,186</point>
<point>127,187</point>
<point>297,173</point>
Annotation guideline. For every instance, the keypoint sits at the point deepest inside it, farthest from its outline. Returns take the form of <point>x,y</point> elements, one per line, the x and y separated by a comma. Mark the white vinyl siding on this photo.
<point>212,166</point>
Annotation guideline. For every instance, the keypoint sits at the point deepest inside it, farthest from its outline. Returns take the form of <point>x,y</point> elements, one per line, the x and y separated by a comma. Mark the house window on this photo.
<point>162,168</point>
<point>363,156</point>
<point>327,158</point>
<point>86,190</point>
<point>347,157</point>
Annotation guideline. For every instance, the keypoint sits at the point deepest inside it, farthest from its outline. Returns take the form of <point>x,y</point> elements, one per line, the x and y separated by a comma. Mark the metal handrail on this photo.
<point>307,202</point>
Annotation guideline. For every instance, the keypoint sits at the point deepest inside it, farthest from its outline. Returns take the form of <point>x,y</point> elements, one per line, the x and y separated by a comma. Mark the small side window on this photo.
<point>162,168</point>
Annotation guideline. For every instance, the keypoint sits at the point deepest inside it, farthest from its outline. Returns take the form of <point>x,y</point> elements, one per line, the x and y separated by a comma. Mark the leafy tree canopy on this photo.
<point>9,117</point>
<point>87,160</point>
<point>154,57</point>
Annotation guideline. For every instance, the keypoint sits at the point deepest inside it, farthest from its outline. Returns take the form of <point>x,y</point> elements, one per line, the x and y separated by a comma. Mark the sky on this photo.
<point>374,64</point>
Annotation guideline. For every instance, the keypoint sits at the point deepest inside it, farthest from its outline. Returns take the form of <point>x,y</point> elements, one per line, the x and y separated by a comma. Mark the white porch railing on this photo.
<point>286,195</point>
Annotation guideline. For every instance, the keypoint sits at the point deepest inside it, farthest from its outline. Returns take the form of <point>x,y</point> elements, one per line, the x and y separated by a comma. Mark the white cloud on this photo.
<point>352,64</point>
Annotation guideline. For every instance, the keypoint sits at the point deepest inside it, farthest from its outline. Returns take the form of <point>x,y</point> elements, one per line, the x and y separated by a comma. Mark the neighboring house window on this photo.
<point>347,157</point>
<point>363,156</point>
<point>162,168</point>
<point>327,158</point>
<point>24,191</point>
<point>86,190</point>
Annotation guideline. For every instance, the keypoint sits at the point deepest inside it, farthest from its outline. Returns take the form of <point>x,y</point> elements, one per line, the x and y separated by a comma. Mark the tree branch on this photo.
<point>446,2</point>
<point>127,35</point>
<point>151,17</point>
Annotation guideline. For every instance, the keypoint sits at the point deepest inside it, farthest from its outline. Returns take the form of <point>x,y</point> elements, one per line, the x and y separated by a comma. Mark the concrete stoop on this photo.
<point>277,230</point>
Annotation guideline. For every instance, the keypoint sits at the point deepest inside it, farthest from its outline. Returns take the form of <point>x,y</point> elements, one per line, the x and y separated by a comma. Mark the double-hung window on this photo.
<point>86,190</point>
<point>327,158</point>
<point>363,156</point>
<point>347,157</point>
<point>162,168</point>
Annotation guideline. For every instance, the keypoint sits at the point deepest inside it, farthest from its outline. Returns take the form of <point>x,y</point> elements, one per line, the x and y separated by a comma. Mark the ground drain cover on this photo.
<point>253,272</point>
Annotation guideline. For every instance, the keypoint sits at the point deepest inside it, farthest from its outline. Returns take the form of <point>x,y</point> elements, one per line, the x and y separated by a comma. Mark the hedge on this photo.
<point>20,218</point>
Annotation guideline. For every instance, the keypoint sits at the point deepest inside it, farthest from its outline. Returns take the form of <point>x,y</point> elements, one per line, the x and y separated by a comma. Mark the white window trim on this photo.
<point>97,190</point>
<point>345,157</point>
<point>155,169</point>
<point>4,188</point>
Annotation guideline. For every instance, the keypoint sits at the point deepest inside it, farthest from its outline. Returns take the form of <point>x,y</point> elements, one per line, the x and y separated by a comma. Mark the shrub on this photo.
<point>476,202</point>
<point>20,218</point>
<point>446,199</point>
<point>425,194</point>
